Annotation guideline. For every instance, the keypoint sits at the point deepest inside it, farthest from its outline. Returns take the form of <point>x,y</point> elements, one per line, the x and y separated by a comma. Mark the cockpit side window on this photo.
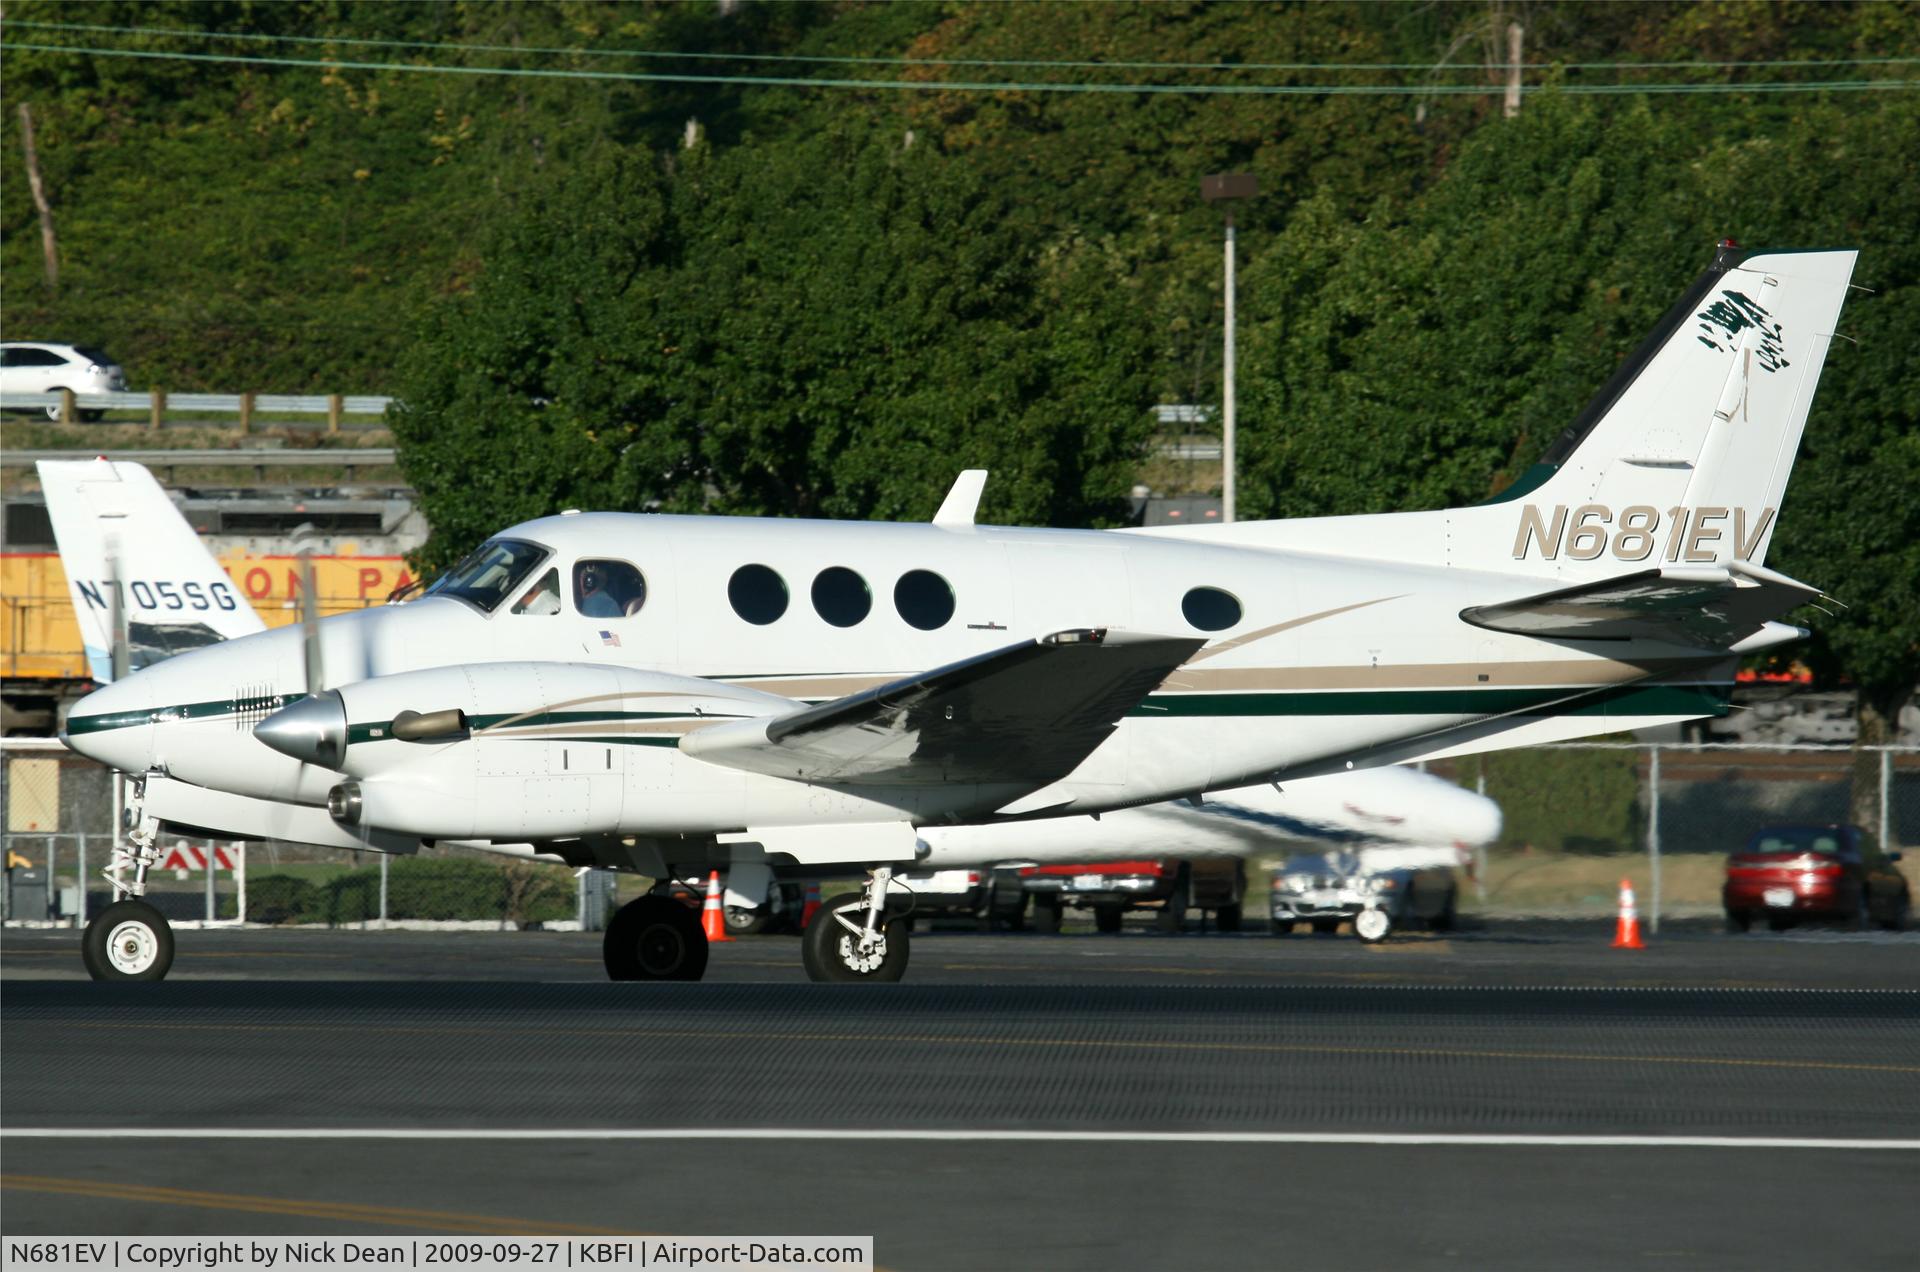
<point>490,574</point>
<point>542,598</point>
<point>608,589</point>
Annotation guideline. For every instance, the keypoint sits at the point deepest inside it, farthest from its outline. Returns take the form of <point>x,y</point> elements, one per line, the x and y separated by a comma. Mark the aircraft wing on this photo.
<point>1711,608</point>
<point>1026,714</point>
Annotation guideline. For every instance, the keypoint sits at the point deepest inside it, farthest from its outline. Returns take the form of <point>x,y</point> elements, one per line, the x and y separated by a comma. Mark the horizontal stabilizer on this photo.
<point>1708,608</point>
<point>1027,714</point>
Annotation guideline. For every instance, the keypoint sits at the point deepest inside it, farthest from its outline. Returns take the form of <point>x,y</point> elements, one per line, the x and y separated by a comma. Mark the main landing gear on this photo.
<point>853,939</point>
<point>129,940</point>
<point>655,938</point>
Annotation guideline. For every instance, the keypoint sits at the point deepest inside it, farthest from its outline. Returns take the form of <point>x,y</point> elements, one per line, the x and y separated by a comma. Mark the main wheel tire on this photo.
<point>1173,915</point>
<point>1372,926</point>
<point>127,941</point>
<point>1227,917</point>
<point>1902,915</point>
<point>1739,921</point>
<point>747,920</point>
<point>1047,915</point>
<point>1106,918</point>
<point>655,938</point>
<point>832,955</point>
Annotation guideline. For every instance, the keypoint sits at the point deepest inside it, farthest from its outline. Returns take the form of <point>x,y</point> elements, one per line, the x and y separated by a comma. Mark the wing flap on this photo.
<point>1711,608</point>
<point>1026,714</point>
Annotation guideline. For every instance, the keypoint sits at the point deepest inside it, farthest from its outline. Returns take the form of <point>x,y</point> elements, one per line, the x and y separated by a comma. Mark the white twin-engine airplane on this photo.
<point>657,693</point>
<point>145,587</point>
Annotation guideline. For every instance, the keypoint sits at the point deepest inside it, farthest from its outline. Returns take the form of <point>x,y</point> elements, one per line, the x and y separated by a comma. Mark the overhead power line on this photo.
<point>987,86</point>
<point>869,60</point>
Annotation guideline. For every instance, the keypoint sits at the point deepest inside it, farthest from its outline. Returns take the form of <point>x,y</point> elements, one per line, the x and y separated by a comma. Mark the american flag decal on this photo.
<point>608,638</point>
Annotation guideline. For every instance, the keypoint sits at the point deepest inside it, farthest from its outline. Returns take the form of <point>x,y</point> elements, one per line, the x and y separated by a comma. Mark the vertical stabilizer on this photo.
<point>1683,456</point>
<point>126,549</point>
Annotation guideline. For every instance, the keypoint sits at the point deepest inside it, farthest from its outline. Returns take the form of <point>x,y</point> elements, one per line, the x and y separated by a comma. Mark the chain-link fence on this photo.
<point>1578,817</point>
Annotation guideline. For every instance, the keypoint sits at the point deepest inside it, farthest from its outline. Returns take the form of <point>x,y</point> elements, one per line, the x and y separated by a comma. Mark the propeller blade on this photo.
<point>310,624</point>
<point>119,657</point>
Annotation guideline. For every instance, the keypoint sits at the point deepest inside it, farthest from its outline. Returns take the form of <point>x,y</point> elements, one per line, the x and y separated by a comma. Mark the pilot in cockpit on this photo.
<point>607,589</point>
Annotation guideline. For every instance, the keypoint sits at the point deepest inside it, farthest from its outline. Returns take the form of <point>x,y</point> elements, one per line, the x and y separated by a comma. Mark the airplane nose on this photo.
<point>114,725</point>
<point>312,730</point>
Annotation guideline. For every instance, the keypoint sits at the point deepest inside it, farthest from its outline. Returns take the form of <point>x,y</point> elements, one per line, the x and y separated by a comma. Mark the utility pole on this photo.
<point>40,205</point>
<point>1223,188</point>
<point>1516,44</point>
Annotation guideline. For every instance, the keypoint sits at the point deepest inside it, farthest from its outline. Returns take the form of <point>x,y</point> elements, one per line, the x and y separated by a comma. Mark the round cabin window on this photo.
<point>841,596</point>
<point>924,599</point>
<point>757,594</point>
<point>1210,609</point>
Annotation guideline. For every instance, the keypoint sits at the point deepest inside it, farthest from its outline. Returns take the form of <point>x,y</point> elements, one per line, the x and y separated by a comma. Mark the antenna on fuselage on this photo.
<point>958,508</point>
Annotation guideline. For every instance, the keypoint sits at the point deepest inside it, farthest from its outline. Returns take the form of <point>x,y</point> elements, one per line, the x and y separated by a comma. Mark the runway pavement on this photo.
<point>1056,1102</point>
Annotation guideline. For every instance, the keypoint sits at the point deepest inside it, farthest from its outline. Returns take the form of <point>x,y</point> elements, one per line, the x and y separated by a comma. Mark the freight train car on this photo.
<point>43,668</point>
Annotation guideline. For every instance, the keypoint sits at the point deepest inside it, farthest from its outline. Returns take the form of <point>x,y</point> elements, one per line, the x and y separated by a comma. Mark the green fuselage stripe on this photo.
<point>1622,700</point>
<point>1684,699</point>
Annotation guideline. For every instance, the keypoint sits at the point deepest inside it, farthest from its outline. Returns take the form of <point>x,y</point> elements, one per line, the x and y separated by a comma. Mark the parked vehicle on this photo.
<point>1110,889</point>
<point>1378,889</point>
<point>992,898</point>
<point>1789,873</point>
<point>34,367</point>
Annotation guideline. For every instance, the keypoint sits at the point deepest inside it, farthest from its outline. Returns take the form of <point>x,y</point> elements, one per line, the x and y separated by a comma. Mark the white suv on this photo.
<point>32,367</point>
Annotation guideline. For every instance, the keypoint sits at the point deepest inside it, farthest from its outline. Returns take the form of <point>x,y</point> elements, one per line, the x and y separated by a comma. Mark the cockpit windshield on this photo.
<point>486,577</point>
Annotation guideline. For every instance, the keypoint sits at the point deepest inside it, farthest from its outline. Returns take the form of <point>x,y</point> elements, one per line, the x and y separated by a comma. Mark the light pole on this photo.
<point>1223,188</point>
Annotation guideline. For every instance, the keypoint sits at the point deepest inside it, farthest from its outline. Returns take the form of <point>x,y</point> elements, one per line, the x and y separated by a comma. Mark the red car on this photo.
<point>1789,873</point>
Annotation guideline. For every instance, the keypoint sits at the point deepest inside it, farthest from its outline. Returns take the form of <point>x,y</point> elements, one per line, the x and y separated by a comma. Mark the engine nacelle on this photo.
<point>505,751</point>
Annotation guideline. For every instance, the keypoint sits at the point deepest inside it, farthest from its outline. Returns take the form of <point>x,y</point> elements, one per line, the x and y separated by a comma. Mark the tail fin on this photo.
<point>1681,458</point>
<point>117,531</point>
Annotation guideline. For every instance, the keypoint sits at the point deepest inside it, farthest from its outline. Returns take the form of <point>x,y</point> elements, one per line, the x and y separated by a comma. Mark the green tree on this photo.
<point>826,328</point>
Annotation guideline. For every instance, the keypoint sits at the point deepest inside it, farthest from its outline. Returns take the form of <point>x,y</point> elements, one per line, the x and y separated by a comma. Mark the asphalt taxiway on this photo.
<point>1520,1097</point>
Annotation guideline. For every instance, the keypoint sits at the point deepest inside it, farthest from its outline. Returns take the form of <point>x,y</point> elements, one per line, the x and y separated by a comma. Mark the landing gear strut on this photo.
<point>655,938</point>
<point>129,940</point>
<point>852,939</point>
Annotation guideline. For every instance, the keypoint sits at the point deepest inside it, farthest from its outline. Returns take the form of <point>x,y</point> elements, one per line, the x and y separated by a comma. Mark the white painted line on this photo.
<point>577,1134</point>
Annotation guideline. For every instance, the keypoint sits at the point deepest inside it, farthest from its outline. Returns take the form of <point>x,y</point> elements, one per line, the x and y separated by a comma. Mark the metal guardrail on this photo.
<point>258,458</point>
<point>1210,451</point>
<point>225,403</point>
<point>66,405</point>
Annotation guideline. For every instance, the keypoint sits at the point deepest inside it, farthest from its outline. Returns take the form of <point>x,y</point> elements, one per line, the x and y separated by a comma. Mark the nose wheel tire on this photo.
<point>1372,926</point>
<point>655,938</point>
<point>127,941</point>
<point>833,952</point>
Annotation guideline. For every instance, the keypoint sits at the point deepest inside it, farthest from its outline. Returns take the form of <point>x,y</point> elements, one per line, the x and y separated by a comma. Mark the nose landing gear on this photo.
<point>129,940</point>
<point>852,940</point>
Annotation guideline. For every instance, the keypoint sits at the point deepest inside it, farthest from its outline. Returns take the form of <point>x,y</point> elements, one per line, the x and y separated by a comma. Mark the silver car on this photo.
<point>1379,890</point>
<point>28,366</point>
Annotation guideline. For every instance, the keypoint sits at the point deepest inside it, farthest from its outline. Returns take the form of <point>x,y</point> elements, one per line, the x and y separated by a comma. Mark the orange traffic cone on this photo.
<point>713,915</point>
<point>1626,934</point>
<point>812,906</point>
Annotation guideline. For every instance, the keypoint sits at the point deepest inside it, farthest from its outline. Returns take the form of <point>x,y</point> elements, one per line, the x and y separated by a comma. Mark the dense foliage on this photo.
<point>824,301</point>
